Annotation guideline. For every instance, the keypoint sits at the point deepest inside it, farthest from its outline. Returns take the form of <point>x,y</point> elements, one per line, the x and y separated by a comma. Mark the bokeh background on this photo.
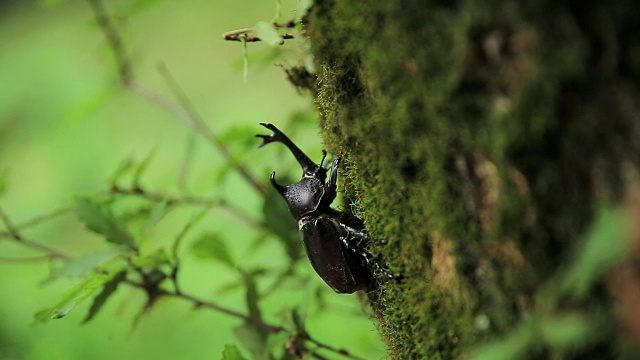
<point>66,125</point>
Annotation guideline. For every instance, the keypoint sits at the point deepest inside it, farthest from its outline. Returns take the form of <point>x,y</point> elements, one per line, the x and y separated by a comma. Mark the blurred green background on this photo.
<point>66,124</point>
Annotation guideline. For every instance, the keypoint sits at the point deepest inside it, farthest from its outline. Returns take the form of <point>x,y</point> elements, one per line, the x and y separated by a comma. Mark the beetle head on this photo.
<point>306,195</point>
<point>303,197</point>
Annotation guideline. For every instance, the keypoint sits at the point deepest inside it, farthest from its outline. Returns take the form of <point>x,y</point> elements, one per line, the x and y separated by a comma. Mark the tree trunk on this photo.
<point>486,141</point>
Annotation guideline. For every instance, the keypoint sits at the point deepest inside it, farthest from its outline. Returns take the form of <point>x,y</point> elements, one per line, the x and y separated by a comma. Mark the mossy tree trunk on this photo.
<point>480,138</point>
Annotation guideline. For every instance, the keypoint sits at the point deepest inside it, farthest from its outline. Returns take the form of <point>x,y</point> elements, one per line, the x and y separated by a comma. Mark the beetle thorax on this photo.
<point>304,197</point>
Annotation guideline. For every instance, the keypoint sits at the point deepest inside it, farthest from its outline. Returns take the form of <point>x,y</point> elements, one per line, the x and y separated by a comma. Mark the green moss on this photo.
<point>468,142</point>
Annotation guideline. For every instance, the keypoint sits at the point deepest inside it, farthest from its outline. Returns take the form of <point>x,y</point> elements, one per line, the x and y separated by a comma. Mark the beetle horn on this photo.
<point>308,166</point>
<point>277,186</point>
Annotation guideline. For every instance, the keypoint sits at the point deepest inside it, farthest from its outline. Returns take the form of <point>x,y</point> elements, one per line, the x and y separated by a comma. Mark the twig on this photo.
<point>182,109</point>
<point>24,260</point>
<point>188,200</point>
<point>211,305</point>
<point>50,253</point>
<point>330,348</point>
<point>200,126</point>
<point>44,217</point>
<point>12,233</point>
<point>115,41</point>
<point>243,34</point>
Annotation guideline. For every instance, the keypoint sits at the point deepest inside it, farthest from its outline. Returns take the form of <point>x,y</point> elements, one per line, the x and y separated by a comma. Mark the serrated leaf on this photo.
<point>98,218</point>
<point>158,211</point>
<point>231,352</point>
<point>268,33</point>
<point>108,289</point>
<point>85,265</point>
<point>212,246</point>
<point>279,222</point>
<point>155,259</point>
<point>73,297</point>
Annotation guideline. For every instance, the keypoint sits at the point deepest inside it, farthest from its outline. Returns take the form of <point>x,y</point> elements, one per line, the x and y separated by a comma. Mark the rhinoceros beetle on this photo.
<point>336,250</point>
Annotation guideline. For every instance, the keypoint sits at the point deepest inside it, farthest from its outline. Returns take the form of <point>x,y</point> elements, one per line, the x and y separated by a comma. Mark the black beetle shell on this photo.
<point>336,265</point>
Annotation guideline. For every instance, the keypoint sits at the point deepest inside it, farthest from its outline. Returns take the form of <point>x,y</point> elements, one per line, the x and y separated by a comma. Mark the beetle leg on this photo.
<point>324,156</point>
<point>366,257</point>
<point>308,166</point>
<point>331,189</point>
<point>362,235</point>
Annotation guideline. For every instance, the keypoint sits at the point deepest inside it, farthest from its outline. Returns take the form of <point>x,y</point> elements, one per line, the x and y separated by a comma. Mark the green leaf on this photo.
<point>568,330</point>
<point>231,352</point>
<point>251,295</point>
<point>193,220</point>
<point>156,214</point>
<point>85,265</point>
<point>74,296</point>
<point>90,105</point>
<point>155,259</point>
<point>108,289</point>
<point>268,33</point>
<point>604,245</point>
<point>98,218</point>
<point>125,166</point>
<point>252,340</point>
<point>279,223</point>
<point>212,246</point>
<point>142,167</point>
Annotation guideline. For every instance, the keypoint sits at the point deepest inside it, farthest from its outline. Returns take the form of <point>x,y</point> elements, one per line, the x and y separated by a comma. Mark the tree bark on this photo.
<point>483,140</point>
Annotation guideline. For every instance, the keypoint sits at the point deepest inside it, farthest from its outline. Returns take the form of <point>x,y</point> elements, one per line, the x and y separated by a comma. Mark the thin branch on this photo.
<point>24,260</point>
<point>198,303</point>
<point>330,348</point>
<point>12,233</point>
<point>115,41</point>
<point>50,253</point>
<point>44,217</point>
<point>201,127</point>
<point>189,200</point>
<point>243,34</point>
<point>182,109</point>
